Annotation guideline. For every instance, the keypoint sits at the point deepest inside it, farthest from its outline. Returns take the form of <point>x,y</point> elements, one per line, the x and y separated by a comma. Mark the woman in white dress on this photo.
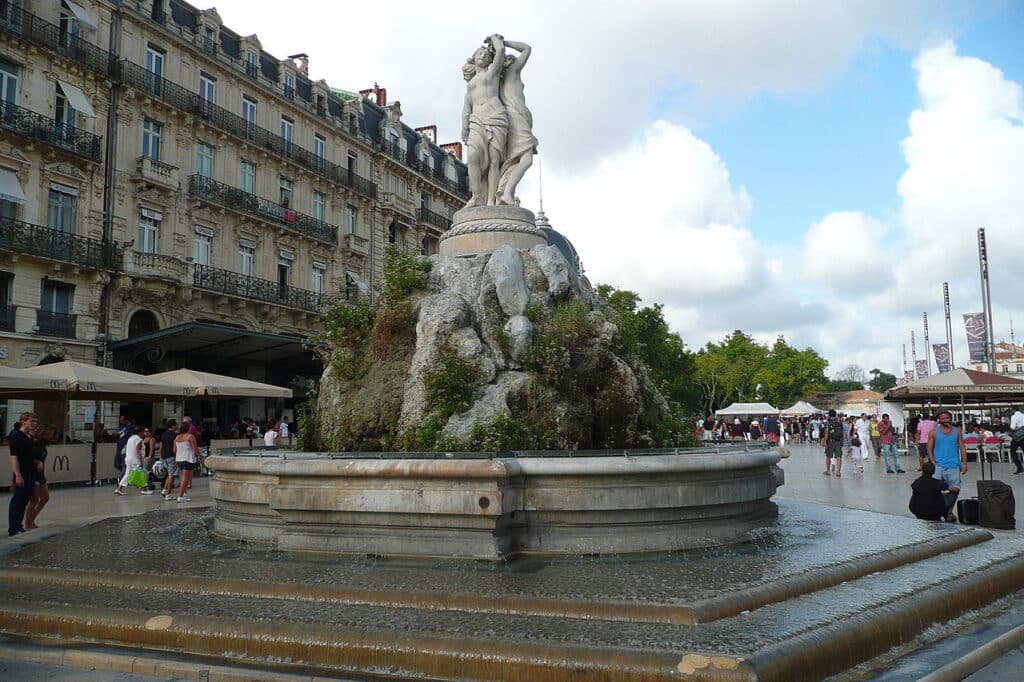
<point>186,452</point>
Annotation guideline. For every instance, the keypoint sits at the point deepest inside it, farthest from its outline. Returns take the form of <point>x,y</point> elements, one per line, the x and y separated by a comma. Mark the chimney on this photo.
<point>455,148</point>
<point>301,62</point>
<point>431,132</point>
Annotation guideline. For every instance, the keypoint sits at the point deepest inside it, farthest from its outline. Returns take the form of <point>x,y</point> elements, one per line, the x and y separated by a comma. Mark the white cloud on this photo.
<point>842,252</point>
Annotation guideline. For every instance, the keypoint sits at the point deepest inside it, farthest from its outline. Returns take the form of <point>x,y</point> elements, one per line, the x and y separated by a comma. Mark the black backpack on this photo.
<point>835,430</point>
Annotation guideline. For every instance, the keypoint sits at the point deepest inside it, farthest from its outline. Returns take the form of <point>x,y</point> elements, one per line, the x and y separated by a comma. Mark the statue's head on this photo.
<point>468,69</point>
<point>483,56</point>
<point>509,61</point>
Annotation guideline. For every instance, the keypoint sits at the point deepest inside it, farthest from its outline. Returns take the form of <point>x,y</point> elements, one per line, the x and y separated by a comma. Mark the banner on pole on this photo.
<point>977,336</point>
<point>922,369</point>
<point>908,375</point>
<point>941,351</point>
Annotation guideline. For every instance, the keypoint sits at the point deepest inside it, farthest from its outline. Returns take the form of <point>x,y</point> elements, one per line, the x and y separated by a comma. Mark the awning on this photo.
<point>20,383</point>
<point>747,409</point>
<point>206,384</point>
<point>76,98</point>
<point>83,16</point>
<point>10,187</point>
<point>211,346</point>
<point>969,385</point>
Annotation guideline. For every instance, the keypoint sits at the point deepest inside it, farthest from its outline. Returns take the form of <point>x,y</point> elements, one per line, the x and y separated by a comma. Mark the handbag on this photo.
<point>855,442</point>
<point>1017,434</point>
<point>138,477</point>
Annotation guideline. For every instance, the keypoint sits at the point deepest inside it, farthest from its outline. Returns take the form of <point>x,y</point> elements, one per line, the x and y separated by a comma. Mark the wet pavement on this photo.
<point>823,521</point>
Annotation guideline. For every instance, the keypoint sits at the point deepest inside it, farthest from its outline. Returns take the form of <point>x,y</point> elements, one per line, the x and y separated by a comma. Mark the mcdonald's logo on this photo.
<point>56,383</point>
<point>61,463</point>
<point>90,386</point>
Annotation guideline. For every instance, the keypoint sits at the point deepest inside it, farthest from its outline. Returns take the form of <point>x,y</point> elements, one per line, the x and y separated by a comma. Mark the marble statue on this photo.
<point>497,126</point>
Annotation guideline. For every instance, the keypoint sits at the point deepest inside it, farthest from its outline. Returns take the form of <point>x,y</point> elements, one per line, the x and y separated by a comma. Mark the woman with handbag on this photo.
<point>135,473</point>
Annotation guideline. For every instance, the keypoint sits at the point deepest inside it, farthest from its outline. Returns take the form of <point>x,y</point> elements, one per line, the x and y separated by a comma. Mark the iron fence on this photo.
<point>247,286</point>
<point>36,126</point>
<point>56,324</point>
<point>47,242</point>
<point>29,27</point>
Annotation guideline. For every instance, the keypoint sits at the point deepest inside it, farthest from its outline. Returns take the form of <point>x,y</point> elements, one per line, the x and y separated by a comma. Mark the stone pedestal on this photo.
<point>482,229</point>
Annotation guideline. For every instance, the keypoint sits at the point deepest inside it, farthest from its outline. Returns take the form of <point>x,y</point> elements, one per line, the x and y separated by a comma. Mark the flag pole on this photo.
<point>949,324</point>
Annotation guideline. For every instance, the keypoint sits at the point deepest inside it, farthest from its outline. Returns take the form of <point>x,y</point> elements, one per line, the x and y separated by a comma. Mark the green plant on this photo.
<point>394,330</point>
<point>348,324</point>
<point>307,426</point>
<point>503,340</point>
<point>450,383</point>
<point>404,273</point>
<point>558,347</point>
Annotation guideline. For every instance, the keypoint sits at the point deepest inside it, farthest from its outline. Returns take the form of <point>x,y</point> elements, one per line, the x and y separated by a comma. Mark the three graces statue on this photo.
<point>496,124</point>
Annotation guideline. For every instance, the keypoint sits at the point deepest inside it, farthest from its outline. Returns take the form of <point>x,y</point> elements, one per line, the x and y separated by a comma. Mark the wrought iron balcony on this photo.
<point>246,286</point>
<point>236,199</point>
<point>185,100</point>
<point>29,27</point>
<point>425,215</point>
<point>33,126</point>
<point>50,323</point>
<point>7,315</point>
<point>46,242</point>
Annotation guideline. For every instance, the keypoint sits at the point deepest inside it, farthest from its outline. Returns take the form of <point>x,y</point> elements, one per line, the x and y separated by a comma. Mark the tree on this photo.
<point>881,381</point>
<point>790,374</point>
<point>852,373</point>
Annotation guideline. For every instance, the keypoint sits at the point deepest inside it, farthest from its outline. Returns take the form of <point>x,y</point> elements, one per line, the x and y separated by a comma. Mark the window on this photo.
<point>284,266</point>
<point>149,231</point>
<point>450,173</point>
<point>351,218</point>
<point>56,297</point>
<point>248,177</point>
<point>65,114</point>
<point>8,82</point>
<point>1006,369</point>
<point>70,29</point>
<point>403,147</point>
<point>252,64</point>
<point>202,245</point>
<point>204,159</point>
<point>207,93</point>
<point>287,187</point>
<point>393,234</point>
<point>353,163</point>
<point>425,201</point>
<point>319,146</point>
<point>1020,368</point>
<point>319,277</point>
<point>396,184</point>
<point>287,130</point>
<point>151,131</point>
<point>155,69</point>
<point>319,205</point>
<point>428,161</point>
<point>246,256</point>
<point>249,114</point>
<point>60,208</point>
<point>289,86</point>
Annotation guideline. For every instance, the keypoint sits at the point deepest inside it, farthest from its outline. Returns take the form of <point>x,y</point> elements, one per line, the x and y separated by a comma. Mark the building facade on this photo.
<point>172,195</point>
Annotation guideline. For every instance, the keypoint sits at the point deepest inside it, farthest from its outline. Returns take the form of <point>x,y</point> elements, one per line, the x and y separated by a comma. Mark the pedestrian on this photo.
<point>947,453</point>
<point>23,466</point>
<point>925,426</point>
<point>271,434</point>
<point>863,429</point>
<point>876,438</point>
<point>833,440</point>
<point>167,457</point>
<point>125,429</point>
<point>887,441</point>
<point>46,435</point>
<point>932,499</point>
<point>186,453</point>
<point>134,452</point>
<point>286,433</point>
<point>1017,439</point>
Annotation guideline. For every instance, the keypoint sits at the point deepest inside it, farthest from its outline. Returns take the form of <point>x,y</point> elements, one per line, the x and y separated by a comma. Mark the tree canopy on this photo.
<point>881,381</point>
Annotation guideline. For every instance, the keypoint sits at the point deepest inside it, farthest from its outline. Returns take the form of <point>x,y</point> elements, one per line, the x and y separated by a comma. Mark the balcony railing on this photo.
<point>425,215</point>
<point>46,242</point>
<point>246,286</point>
<point>29,27</point>
<point>33,126</point>
<point>153,171</point>
<point>227,196</point>
<point>157,266</point>
<point>7,315</point>
<point>186,100</point>
<point>50,323</point>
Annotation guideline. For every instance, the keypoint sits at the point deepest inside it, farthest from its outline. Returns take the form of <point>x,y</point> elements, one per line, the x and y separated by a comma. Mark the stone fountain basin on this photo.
<point>495,505</point>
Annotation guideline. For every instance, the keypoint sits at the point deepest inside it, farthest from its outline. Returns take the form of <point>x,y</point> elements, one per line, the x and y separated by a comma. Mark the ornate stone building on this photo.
<point>172,195</point>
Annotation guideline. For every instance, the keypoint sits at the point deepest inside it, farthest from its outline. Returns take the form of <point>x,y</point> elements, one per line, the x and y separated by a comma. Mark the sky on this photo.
<point>810,169</point>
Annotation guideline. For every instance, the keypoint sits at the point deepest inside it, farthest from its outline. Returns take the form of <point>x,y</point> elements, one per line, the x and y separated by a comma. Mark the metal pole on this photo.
<point>913,353</point>
<point>927,347</point>
<point>949,324</point>
<point>986,298</point>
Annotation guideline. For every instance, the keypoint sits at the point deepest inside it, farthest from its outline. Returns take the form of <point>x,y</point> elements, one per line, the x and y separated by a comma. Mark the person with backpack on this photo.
<point>833,441</point>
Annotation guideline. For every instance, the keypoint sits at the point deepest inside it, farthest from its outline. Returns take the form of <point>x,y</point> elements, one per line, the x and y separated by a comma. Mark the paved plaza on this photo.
<point>874,490</point>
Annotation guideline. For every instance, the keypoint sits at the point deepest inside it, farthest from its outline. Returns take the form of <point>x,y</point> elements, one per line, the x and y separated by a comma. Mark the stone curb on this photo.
<point>142,665</point>
<point>977,659</point>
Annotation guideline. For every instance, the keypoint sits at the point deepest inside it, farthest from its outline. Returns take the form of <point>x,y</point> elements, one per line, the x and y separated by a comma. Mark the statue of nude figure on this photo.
<point>485,122</point>
<point>521,145</point>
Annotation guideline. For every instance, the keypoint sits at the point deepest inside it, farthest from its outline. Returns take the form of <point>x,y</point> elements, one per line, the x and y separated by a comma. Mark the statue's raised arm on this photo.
<point>484,120</point>
<point>521,144</point>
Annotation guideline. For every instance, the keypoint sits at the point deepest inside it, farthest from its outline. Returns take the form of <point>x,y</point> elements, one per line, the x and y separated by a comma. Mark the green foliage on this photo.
<point>881,381</point>
<point>557,349</point>
<point>307,426</point>
<point>348,324</point>
<point>394,330</point>
<point>842,385</point>
<point>404,273</point>
<point>450,383</point>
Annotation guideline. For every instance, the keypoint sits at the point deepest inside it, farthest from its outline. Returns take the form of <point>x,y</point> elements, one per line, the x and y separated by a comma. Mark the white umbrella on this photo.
<point>216,385</point>
<point>92,382</point>
<point>21,383</point>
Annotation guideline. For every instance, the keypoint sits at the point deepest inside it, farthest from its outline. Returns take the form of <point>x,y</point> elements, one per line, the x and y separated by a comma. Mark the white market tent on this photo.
<point>218,386</point>
<point>800,409</point>
<point>746,409</point>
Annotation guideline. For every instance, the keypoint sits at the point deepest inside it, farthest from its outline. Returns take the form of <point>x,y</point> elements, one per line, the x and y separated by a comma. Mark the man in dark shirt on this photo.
<point>929,500</point>
<point>24,466</point>
<point>125,430</point>
<point>167,456</point>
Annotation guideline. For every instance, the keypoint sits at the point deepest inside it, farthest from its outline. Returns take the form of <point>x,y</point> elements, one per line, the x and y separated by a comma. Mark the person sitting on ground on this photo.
<point>932,499</point>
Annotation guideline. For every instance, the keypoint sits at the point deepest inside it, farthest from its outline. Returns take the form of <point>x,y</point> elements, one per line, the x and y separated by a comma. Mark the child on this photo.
<point>930,499</point>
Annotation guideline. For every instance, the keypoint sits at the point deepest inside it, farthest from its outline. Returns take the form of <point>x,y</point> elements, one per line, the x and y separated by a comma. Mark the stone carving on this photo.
<point>497,126</point>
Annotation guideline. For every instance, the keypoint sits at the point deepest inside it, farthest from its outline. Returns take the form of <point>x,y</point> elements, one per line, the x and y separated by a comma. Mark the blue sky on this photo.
<point>810,169</point>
